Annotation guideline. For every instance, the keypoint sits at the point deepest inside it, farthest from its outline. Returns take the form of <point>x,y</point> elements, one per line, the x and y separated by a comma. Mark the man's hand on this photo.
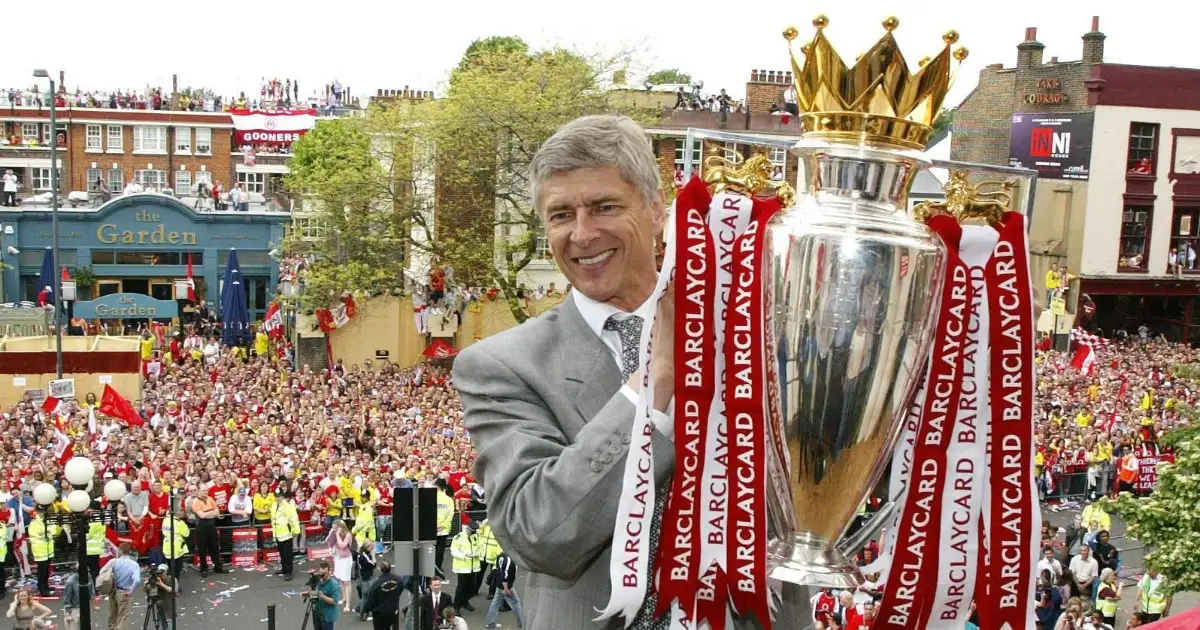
<point>507,591</point>
<point>662,353</point>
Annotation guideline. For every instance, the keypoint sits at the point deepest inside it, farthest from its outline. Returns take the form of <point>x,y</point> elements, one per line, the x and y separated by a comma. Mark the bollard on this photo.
<point>271,617</point>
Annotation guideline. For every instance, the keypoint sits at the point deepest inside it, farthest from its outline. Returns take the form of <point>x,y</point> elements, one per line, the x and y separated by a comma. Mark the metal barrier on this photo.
<point>1068,485</point>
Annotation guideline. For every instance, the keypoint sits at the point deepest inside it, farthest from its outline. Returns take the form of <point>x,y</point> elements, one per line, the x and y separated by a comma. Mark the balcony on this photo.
<point>757,122</point>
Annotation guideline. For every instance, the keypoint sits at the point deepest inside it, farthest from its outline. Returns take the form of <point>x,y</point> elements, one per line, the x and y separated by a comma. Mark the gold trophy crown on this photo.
<point>877,100</point>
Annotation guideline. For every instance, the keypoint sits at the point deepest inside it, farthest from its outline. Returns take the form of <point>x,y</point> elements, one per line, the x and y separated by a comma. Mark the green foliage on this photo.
<point>333,167</point>
<point>668,75</point>
<point>463,159</point>
<point>944,122</point>
<point>83,276</point>
<point>481,48</point>
<point>1168,521</point>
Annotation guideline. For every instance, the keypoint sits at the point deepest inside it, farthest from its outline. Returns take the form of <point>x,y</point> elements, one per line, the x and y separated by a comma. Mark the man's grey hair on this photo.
<point>598,141</point>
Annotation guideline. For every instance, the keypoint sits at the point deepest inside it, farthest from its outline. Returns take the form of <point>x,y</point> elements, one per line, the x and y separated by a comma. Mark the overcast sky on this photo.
<point>229,45</point>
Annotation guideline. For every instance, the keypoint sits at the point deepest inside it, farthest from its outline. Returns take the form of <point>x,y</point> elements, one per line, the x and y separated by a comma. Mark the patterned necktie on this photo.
<point>630,330</point>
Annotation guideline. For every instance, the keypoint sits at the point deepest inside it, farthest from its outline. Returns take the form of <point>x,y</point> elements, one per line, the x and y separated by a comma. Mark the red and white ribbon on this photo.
<point>1012,539</point>
<point>745,404</point>
<point>630,565</point>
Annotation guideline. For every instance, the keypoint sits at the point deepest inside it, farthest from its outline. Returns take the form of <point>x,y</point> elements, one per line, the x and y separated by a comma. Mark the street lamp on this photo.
<point>79,471</point>
<point>58,361</point>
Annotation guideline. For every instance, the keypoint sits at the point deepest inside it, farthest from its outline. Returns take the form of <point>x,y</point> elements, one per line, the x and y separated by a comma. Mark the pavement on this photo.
<point>239,599</point>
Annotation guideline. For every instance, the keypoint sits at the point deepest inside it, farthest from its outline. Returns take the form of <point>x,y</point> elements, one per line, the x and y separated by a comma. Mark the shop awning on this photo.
<point>1183,621</point>
<point>439,350</point>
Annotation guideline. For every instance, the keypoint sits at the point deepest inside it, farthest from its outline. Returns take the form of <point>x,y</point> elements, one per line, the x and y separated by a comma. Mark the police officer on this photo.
<point>175,549</point>
<point>3,559</point>
<point>445,518</point>
<point>285,525</point>
<point>383,598</point>
<point>464,564</point>
<point>41,545</point>
<point>95,546</point>
<point>489,551</point>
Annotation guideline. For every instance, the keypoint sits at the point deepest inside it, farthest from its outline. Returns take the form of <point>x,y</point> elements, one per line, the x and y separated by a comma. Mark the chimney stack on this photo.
<point>1029,52</point>
<point>1054,59</point>
<point>1093,44</point>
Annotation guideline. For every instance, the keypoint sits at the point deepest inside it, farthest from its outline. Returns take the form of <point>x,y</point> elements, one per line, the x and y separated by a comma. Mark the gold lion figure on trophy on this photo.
<point>750,177</point>
<point>987,200</point>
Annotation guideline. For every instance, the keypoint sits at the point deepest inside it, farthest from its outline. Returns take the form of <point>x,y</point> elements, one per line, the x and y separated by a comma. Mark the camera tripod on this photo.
<point>310,608</point>
<point>154,611</point>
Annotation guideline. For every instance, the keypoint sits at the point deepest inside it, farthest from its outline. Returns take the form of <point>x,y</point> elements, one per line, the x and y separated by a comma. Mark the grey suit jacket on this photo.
<point>543,405</point>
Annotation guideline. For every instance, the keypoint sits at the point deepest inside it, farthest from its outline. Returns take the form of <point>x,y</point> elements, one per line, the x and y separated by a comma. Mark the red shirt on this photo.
<point>220,494</point>
<point>457,479</point>
<point>159,504</point>
<point>384,507</point>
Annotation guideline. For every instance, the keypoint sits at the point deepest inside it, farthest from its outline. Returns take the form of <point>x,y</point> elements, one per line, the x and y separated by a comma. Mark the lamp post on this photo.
<point>58,361</point>
<point>79,472</point>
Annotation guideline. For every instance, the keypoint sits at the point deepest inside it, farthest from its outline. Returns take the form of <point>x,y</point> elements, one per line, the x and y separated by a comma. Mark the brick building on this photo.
<point>1118,195</point>
<point>163,149</point>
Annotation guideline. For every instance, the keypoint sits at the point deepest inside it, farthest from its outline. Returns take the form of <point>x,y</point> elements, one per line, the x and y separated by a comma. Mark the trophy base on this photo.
<point>811,561</point>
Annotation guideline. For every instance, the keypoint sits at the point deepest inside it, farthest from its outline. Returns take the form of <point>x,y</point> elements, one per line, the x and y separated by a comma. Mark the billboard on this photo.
<point>1057,146</point>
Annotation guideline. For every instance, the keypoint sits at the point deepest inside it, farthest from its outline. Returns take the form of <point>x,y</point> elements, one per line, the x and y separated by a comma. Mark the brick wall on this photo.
<point>983,121</point>
<point>220,163</point>
<point>765,88</point>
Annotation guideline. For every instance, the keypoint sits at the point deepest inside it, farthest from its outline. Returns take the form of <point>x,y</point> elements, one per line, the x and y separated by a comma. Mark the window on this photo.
<point>308,227</point>
<point>151,179</point>
<point>183,183</point>
<point>93,179</point>
<point>1184,234</point>
<point>204,176</point>
<point>542,252</point>
<point>126,257</point>
<point>203,141</point>
<point>41,179</point>
<point>680,157</point>
<point>116,138</point>
<point>1135,237</point>
<point>29,132</point>
<point>183,140</point>
<point>733,151</point>
<point>150,139</point>
<point>116,179</point>
<point>94,139</point>
<point>1143,144</point>
<point>46,135</point>
<point>778,157</point>
<point>254,181</point>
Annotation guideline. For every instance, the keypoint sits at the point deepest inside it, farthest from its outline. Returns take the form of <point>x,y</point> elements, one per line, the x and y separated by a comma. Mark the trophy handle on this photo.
<point>852,545</point>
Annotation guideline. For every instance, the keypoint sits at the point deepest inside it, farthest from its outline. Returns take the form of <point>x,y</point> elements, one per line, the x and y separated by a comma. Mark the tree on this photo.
<point>503,44</point>
<point>449,178</point>
<point>335,171</point>
<point>1168,521</point>
<point>669,76</point>
<point>944,122</point>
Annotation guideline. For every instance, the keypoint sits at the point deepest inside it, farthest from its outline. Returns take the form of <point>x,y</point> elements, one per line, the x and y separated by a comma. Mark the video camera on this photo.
<point>314,581</point>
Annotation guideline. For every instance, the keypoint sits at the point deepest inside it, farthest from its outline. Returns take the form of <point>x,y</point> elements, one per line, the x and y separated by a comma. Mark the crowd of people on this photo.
<point>241,432</point>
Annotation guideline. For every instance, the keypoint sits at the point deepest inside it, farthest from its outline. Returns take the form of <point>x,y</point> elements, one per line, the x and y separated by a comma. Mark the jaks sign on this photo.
<point>1058,146</point>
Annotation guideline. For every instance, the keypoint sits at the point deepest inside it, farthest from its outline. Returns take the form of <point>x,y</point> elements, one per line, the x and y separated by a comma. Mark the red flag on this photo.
<point>65,276</point>
<point>64,449</point>
<point>1084,360</point>
<point>114,405</point>
<point>191,280</point>
<point>351,307</point>
<point>50,405</point>
<point>273,321</point>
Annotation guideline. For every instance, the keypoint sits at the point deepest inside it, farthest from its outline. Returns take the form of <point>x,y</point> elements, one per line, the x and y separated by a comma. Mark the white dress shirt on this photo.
<point>595,314</point>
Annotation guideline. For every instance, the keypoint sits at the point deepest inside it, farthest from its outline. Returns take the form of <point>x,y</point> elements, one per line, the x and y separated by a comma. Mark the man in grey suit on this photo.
<point>550,403</point>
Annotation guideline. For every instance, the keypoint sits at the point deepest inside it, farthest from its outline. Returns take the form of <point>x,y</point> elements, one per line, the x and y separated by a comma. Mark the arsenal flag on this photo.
<point>112,404</point>
<point>52,405</point>
<point>273,321</point>
<point>1084,360</point>
<point>63,448</point>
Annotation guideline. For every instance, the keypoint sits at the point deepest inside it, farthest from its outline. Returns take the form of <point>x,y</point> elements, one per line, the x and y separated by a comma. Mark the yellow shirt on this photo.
<point>1093,391</point>
<point>264,506</point>
<point>147,346</point>
<point>261,344</point>
<point>1083,420</point>
<point>1052,279</point>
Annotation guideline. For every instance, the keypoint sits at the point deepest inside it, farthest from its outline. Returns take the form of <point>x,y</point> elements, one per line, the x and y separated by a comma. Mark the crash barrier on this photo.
<point>1067,485</point>
<point>244,545</point>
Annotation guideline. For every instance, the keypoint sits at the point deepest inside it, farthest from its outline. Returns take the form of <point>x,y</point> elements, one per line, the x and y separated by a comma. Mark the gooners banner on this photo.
<point>271,127</point>
<point>968,524</point>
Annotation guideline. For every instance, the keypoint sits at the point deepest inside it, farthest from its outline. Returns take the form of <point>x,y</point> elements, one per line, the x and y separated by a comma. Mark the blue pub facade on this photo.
<point>139,244</point>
